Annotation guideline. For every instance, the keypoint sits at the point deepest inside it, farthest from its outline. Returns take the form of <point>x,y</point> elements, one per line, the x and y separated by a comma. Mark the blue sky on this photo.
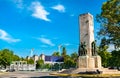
<point>43,24</point>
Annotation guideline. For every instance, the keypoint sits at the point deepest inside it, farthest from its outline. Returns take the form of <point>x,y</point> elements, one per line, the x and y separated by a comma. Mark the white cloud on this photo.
<point>39,11</point>
<point>19,3</point>
<point>67,44</point>
<point>111,48</point>
<point>6,37</point>
<point>59,8</point>
<point>46,41</point>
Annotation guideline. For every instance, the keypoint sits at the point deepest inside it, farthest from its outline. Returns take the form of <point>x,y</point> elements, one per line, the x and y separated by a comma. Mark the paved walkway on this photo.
<point>23,74</point>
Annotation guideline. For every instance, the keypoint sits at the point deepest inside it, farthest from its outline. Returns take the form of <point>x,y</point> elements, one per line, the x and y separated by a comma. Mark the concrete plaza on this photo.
<point>24,74</point>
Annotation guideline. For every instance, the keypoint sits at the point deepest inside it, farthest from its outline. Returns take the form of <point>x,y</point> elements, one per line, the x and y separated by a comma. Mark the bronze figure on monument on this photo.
<point>82,49</point>
<point>94,50</point>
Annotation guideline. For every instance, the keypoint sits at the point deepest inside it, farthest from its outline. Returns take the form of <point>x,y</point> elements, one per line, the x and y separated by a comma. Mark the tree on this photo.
<point>56,66</point>
<point>47,66</point>
<point>56,54</point>
<point>105,55</point>
<point>22,59</point>
<point>115,59</point>
<point>109,18</point>
<point>64,52</point>
<point>16,58</point>
<point>39,63</point>
<point>6,57</point>
<point>30,61</point>
<point>74,56</point>
<point>103,43</point>
<point>69,63</point>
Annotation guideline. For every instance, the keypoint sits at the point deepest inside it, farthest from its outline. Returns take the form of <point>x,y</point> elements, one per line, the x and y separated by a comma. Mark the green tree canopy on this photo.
<point>109,18</point>
<point>56,54</point>
<point>16,58</point>
<point>39,63</point>
<point>74,56</point>
<point>30,61</point>
<point>69,63</point>
<point>7,56</point>
<point>115,59</point>
<point>105,55</point>
<point>64,52</point>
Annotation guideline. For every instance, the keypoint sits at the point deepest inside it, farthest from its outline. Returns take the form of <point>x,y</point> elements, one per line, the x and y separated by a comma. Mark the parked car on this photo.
<point>11,70</point>
<point>118,68</point>
<point>3,70</point>
<point>112,67</point>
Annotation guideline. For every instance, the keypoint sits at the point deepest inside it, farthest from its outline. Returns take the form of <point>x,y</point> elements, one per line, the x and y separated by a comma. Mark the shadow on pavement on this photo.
<point>49,77</point>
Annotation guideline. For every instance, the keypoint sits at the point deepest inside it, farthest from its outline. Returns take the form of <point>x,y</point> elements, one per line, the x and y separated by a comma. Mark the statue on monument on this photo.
<point>94,50</point>
<point>82,49</point>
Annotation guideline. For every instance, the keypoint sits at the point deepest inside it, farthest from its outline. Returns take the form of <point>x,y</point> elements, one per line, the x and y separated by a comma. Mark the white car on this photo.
<point>3,70</point>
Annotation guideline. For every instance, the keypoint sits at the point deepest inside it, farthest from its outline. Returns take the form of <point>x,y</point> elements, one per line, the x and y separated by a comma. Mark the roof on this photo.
<point>54,58</point>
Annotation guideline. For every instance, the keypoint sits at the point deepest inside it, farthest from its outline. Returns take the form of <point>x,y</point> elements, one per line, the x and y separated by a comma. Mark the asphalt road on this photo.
<point>24,74</point>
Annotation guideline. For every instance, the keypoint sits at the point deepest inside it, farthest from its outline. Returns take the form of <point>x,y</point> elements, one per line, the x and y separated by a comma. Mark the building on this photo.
<point>21,65</point>
<point>47,59</point>
<point>51,59</point>
<point>35,58</point>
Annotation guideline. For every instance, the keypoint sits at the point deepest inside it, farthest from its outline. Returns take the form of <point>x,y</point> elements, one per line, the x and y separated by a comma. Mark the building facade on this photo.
<point>47,59</point>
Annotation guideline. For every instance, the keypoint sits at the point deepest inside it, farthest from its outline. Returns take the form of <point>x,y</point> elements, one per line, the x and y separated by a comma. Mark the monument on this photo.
<point>88,58</point>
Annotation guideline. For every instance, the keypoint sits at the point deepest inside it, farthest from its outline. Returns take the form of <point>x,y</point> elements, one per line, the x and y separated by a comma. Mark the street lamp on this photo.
<point>59,47</point>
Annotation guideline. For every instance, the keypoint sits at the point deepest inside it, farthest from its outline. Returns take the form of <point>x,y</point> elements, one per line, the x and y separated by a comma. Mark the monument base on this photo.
<point>86,64</point>
<point>90,71</point>
<point>97,60</point>
<point>90,65</point>
<point>89,62</point>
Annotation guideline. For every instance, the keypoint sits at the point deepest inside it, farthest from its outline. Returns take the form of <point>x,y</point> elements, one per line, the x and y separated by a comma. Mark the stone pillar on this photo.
<point>83,61</point>
<point>87,35</point>
<point>97,61</point>
<point>91,63</point>
<point>86,31</point>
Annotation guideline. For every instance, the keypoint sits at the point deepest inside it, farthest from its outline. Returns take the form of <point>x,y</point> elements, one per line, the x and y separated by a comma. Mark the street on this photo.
<point>23,74</point>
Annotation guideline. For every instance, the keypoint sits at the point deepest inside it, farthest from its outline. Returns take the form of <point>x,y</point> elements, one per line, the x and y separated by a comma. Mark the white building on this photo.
<point>47,59</point>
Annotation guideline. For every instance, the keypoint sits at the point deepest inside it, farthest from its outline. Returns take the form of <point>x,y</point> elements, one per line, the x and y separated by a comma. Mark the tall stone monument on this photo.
<point>88,57</point>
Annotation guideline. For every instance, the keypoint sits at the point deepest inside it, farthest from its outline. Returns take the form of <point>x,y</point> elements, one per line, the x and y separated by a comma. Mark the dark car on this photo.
<point>11,70</point>
<point>118,68</point>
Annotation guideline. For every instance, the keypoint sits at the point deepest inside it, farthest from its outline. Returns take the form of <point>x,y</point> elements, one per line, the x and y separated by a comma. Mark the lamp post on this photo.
<point>51,63</point>
<point>59,66</point>
<point>31,52</point>
<point>59,47</point>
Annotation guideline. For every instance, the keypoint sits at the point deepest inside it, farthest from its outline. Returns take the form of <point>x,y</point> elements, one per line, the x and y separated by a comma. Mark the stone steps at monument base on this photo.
<point>110,71</point>
<point>83,70</point>
<point>77,70</point>
<point>68,71</point>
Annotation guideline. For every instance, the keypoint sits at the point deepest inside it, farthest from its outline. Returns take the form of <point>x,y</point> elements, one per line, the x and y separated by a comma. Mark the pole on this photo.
<point>59,66</point>
<point>32,52</point>
<point>59,48</point>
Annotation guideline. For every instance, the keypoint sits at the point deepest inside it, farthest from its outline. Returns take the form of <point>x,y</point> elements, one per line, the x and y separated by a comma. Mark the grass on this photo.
<point>86,75</point>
